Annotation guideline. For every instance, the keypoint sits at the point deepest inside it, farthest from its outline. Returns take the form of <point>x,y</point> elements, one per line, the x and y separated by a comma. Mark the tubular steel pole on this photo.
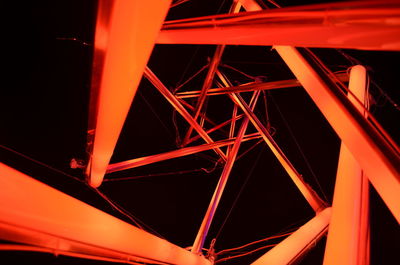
<point>347,241</point>
<point>205,225</point>
<point>309,194</point>
<point>181,110</point>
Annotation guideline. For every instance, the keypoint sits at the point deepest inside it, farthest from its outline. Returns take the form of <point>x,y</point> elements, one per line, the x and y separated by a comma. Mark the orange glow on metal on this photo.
<point>127,43</point>
<point>206,85</point>
<point>309,194</point>
<point>212,207</point>
<point>180,109</point>
<point>379,161</point>
<point>294,246</point>
<point>34,213</point>
<point>141,161</point>
<point>343,77</point>
<point>347,241</point>
<point>367,25</point>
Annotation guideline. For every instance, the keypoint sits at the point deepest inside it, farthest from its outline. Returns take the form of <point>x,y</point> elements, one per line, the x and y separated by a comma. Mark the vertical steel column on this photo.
<point>205,225</point>
<point>347,241</point>
<point>298,243</point>
<point>126,43</point>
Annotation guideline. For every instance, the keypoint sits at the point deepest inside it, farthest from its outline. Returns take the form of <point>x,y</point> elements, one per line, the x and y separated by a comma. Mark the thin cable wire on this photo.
<point>298,147</point>
<point>160,174</point>
<point>155,114</point>
<point>41,163</point>
<point>240,72</point>
<point>249,149</point>
<point>245,254</point>
<point>252,243</point>
<point>124,212</point>
<point>240,191</point>
<point>345,89</point>
<point>187,67</point>
<point>114,205</point>
<point>220,7</point>
<point>190,78</point>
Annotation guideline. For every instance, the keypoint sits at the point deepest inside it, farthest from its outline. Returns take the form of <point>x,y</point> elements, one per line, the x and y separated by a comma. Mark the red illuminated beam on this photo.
<point>180,109</point>
<point>212,207</point>
<point>367,25</point>
<point>309,194</point>
<point>376,156</point>
<point>125,42</point>
<point>348,236</point>
<point>343,77</point>
<point>34,213</point>
<point>297,244</point>
<point>142,161</point>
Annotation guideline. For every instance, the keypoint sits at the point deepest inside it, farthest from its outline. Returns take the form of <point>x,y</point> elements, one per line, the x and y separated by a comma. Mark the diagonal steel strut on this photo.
<point>205,225</point>
<point>309,194</point>
<point>178,106</point>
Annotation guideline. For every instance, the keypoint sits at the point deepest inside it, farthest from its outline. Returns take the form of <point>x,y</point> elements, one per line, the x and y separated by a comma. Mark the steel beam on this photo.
<point>125,44</point>
<point>205,225</point>
<point>343,77</point>
<point>34,213</point>
<point>348,234</point>
<point>206,85</point>
<point>219,126</point>
<point>209,77</point>
<point>366,25</point>
<point>146,160</point>
<point>181,110</point>
<point>376,156</point>
<point>309,194</point>
<point>297,244</point>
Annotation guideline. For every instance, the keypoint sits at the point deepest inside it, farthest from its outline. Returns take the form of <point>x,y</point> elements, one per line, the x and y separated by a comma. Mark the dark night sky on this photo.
<point>44,111</point>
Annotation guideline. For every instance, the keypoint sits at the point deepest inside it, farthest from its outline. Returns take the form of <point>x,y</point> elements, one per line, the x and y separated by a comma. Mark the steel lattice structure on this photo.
<point>123,46</point>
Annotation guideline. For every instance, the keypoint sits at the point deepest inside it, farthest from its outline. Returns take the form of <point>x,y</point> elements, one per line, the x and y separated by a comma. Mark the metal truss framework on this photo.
<point>116,77</point>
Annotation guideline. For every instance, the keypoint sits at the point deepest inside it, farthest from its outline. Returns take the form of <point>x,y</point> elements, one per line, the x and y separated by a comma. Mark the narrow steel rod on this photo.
<point>234,119</point>
<point>178,106</point>
<point>366,25</point>
<point>206,85</point>
<point>235,8</point>
<point>205,225</point>
<point>187,105</point>
<point>343,77</point>
<point>232,127</point>
<point>309,194</point>
<point>146,160</point>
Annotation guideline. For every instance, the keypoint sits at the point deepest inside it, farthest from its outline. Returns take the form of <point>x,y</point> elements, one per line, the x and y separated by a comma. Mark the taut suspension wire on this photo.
<point>299,148</point>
